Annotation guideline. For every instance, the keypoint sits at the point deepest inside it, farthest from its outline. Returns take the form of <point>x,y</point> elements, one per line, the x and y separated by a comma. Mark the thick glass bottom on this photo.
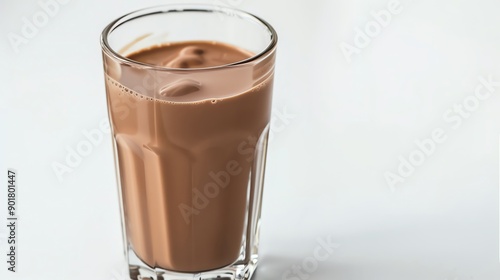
<point>238,271</point>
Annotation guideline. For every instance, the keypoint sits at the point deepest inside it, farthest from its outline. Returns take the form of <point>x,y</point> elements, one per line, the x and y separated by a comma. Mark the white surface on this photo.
<point>325,174</point>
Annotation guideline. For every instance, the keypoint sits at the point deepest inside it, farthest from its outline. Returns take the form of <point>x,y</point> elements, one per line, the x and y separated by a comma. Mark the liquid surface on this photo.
<point>196,54</point>
<point>190,149</point>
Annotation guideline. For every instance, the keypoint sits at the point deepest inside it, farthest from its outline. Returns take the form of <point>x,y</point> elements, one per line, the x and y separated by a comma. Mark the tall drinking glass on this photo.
<point>189,93</point>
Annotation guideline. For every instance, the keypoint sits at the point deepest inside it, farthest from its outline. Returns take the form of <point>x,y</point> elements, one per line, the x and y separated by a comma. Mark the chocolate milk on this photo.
<point>190,147</point>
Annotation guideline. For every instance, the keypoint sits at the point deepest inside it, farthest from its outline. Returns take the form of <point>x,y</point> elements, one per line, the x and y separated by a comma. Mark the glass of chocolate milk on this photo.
<point>189,91</point>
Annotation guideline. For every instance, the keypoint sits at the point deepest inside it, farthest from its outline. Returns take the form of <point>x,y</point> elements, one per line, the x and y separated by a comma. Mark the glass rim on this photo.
<point>105,46</point>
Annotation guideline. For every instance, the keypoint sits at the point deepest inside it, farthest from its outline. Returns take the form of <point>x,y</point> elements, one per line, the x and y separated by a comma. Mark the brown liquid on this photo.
<point>186,148</point>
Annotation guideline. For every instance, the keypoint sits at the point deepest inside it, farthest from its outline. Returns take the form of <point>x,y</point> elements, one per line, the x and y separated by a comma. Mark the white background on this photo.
<point>325,175</point>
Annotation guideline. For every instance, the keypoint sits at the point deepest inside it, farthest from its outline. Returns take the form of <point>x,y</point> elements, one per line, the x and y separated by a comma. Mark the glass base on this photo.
<point>237,271</point>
